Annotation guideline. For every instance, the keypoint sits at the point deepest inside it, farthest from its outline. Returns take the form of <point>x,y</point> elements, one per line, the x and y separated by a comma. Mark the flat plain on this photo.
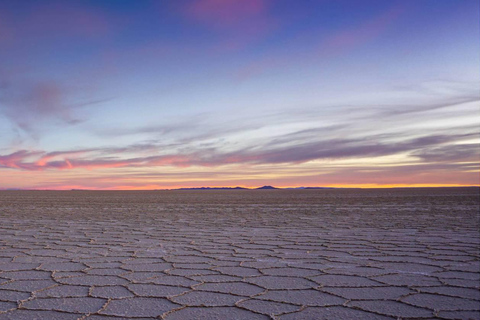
<point>244,254</point>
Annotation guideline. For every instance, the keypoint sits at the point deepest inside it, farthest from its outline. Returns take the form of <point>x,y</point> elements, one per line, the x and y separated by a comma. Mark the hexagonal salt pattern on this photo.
<point>265,254</point>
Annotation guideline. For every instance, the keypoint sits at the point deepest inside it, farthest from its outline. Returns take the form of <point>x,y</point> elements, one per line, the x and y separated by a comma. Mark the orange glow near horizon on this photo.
<point>251,177</point>
<point>339,186</point>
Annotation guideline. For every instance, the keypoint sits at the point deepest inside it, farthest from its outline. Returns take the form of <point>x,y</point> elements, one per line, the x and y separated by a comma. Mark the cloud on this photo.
<point>28,104</point>
<point>420,174</point>
<point>394,110</point>
<point>365,32</point>
<point>89,159</point>
<point>331,45</point>
<point>181,133</point>
<point>463,153</point>
<point>15,160</point>
<point>32,105</point>
<point>239,23</point>
<point>58,19</point>
<point>334,149</point>
<point>46,158</point>
<point>70,19</point>
<point>226,13</point>
<point>212,157</point>
<point>6,34</point>
<point>158,130</point>
<point>306,135</point>
<point>279,145</point>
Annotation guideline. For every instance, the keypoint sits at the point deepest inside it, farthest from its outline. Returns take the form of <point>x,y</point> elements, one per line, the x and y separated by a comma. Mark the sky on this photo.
<point>115,94</point>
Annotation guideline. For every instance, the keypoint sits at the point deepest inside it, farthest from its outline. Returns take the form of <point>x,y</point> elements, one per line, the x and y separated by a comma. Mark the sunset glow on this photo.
<point>142,95</point>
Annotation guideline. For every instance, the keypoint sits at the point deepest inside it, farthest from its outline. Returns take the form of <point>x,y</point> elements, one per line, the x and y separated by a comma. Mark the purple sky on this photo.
<point>161,94</point>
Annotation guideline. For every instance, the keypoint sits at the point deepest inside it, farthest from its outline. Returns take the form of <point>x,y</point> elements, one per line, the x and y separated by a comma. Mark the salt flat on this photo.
<point>264,254</point>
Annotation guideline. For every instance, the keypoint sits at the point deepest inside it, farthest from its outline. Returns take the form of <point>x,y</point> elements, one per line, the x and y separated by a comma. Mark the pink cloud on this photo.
<point>336,43</point>
<point>6,33</point>
<point>86,159</point>
<point>57,19</point>
<point>440,147</point>
<point>46,158</point>
<point>72,19</point>
<point>239,23</point>
<point>13,160</point>
<point>226,13</point>
<point>27,104</point>
<point>369,30</point>
<point>99,163</point>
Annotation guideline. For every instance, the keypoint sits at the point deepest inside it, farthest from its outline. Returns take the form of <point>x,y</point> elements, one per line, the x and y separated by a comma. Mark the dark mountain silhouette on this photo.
<point>266,188</point>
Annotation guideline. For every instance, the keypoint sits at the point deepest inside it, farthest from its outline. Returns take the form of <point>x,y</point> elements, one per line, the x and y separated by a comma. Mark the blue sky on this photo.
<point>161,94</point>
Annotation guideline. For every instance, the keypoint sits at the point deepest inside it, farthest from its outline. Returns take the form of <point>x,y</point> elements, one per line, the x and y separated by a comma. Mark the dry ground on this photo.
<point>265,254</point>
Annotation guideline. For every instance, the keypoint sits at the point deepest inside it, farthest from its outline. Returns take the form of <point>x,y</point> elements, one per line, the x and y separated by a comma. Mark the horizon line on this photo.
<point>228,188</point>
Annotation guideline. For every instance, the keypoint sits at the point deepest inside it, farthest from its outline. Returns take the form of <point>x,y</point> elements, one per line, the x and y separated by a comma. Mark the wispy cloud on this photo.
<point>27,104</point>
<point>226,13</point>
<point>211,157</point>
<point>325,47</point>
<point>33,98</point>
<point>411,109</point>
<point>58,19</point>
<point>201,143</point>
<point>239,23</point>
<point>457,153</point>
<point>349,38</point>
<point>16,159</point>
<point>32,104</point>
<point>337,149</point>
